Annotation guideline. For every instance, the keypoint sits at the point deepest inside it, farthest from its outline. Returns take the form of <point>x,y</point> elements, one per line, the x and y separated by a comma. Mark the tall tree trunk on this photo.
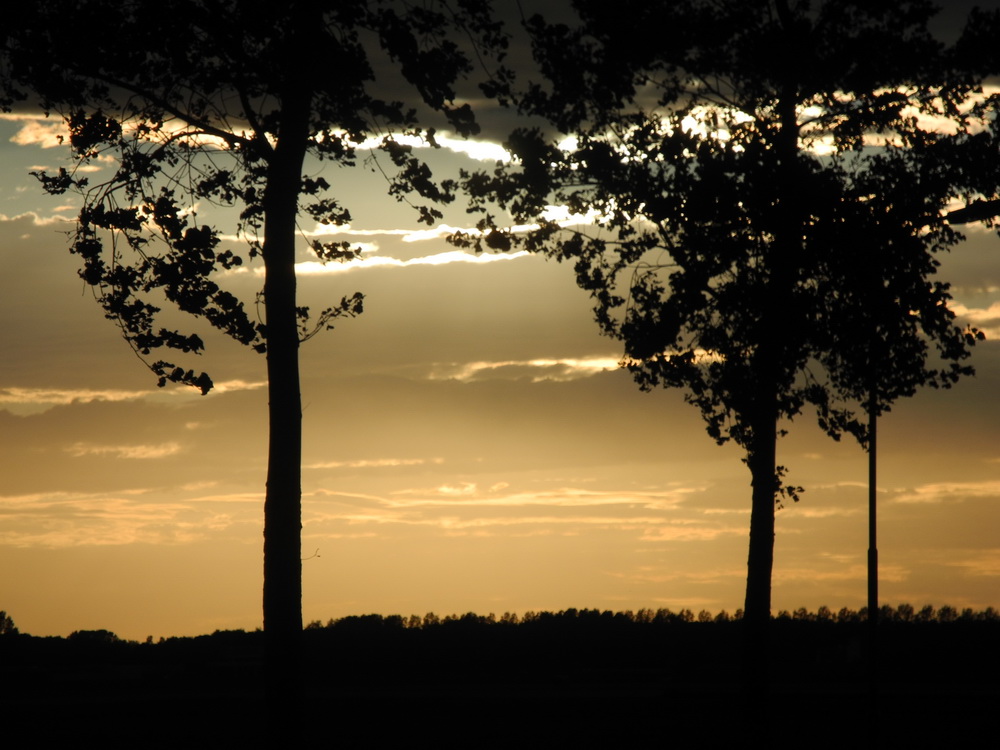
<point>760,561</point>
<point>770,363</point>
<point>772,360</point>
<point>283,500</point>
<point>761,459</point>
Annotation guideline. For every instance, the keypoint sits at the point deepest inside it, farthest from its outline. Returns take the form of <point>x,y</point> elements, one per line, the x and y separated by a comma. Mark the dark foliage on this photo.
<point>760,193</point>
<point>7,626</point>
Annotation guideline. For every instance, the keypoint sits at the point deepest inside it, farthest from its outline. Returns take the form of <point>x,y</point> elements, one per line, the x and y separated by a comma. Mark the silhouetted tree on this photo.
<point>219,101</point>
<point>100,637</point>
<point>761,191</point>
<point>7,626</point>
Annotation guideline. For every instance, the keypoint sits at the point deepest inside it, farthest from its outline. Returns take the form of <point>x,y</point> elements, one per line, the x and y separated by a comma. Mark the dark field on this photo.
<point>572,677</point>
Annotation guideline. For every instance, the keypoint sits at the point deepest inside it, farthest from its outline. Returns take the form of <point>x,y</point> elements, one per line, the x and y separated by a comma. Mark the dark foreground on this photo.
<point>569,678</point>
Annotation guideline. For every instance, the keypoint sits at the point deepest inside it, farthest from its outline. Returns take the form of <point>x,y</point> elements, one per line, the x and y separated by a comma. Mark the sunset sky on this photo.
<point>470,445</point>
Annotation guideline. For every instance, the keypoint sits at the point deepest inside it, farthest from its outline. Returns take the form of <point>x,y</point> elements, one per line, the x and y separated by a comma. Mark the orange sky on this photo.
<point>467,447</point>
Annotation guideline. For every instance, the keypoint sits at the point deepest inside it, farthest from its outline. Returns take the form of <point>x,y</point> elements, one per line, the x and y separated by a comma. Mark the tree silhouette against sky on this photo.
<point>221,102</point>
<point>760,191</point>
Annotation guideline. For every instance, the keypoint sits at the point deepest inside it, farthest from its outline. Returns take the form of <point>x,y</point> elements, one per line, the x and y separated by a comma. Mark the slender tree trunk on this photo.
<point>282,505</point>
<point>760,561</point>
<point>283,501</point>
<point>757,652</point>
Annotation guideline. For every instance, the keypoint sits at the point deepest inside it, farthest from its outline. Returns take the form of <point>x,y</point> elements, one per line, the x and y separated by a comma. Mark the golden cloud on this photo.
<point>376,463</point>
<point>124,451</point>
<point>538,370</point>
<point>66,519</point>
<point>950,491</point>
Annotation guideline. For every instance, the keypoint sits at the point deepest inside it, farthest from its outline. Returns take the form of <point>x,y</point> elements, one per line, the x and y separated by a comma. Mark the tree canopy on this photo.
<point>755,195</point>
<point>196,106</point>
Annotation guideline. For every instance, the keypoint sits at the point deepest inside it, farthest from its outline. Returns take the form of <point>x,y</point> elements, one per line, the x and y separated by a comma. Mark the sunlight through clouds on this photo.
<point>41,221</point>
<point>560,215</point>
<point>124,451</point>
<point>317,268</point>
<point>985,319</point>
<point>474,149</point>
<point>32,400</point>
<point>229,386</point>
<point>38,130</point>
<point>20,400</point>
<point>52,132</point>
<point>15,395</point>
<point>439,232</point>
<point>537,370</point>
<point>377,463</point>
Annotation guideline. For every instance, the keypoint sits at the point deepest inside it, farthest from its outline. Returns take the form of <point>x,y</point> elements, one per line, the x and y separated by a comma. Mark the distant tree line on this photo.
<point>902,613</point>
<point>887,614</point>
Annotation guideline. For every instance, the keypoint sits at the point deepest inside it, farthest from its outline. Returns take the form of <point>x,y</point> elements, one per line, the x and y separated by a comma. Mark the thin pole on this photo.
<point>872,512</point>
<point>873,700</point>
